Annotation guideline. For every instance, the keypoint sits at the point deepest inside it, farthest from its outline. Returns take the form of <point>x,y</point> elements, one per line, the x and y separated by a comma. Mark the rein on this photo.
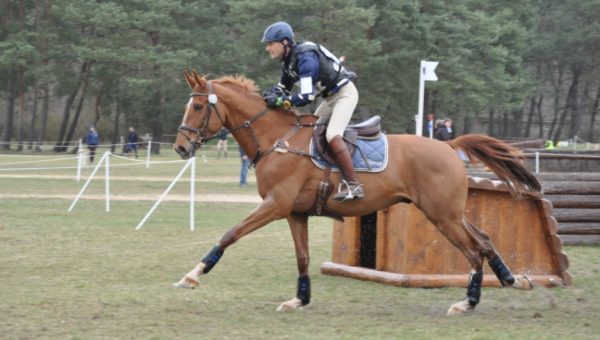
<point>281,145</point>
<point>203,129</point>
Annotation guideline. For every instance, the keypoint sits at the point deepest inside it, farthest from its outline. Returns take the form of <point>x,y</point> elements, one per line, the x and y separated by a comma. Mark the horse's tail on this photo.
<point>504,160</point>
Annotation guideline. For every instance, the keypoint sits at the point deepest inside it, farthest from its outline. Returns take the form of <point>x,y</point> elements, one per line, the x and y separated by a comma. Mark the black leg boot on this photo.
<point>349,188</point>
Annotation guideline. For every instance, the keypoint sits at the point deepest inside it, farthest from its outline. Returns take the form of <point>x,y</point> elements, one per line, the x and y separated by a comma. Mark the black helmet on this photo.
<point>277,32</point>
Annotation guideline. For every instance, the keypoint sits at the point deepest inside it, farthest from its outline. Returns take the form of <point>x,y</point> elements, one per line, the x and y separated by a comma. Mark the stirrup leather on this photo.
<point>352,191</point>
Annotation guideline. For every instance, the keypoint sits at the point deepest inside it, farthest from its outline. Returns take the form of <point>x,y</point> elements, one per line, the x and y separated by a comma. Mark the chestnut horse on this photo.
<point>420,170</point>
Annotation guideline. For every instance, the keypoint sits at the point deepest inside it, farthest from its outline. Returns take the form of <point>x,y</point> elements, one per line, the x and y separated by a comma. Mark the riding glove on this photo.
<point>275,102</point>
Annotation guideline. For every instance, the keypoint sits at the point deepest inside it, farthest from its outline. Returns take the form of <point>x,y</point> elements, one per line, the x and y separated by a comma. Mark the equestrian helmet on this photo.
<point>277,32</point>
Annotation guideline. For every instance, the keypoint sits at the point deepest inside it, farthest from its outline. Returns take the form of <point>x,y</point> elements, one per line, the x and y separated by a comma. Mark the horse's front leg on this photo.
<point>265,213</point>
<point>299,228</point>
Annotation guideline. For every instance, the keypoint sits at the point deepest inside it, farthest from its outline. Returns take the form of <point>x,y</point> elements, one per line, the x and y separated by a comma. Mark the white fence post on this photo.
<point>192,192</point>
<point>148,154</point>
<point>88,181</point>
<point>537,162</point>
<point>189,162</point>
<point>80,161</point>
<point>107,181</point>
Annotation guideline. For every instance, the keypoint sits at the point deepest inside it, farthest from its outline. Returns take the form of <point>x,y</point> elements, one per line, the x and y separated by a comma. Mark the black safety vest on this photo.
<point>330,71</point>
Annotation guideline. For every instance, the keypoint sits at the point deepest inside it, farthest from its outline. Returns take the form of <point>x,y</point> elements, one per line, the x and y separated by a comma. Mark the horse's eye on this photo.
<point>197,107</point>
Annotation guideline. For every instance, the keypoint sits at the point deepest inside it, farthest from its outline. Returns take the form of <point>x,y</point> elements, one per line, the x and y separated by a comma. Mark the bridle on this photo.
<point>202,131</point>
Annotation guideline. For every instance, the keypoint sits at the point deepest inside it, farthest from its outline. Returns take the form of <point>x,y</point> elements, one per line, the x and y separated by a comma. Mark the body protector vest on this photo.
<point>332,75</point>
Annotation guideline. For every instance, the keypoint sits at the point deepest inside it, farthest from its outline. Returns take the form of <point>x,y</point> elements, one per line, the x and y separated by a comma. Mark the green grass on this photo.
<point>87,275</point>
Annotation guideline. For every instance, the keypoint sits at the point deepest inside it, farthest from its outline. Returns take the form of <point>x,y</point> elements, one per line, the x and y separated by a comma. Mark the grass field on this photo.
<point>87,274</point>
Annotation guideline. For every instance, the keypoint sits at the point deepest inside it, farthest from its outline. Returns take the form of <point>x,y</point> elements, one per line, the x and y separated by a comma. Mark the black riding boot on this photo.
<point>349,187</point>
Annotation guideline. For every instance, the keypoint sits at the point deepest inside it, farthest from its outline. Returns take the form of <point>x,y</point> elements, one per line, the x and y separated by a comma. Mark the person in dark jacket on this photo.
<point>319,73</point>
<point>92,139</point>
<point>132,142</point>
<point>440,132</point>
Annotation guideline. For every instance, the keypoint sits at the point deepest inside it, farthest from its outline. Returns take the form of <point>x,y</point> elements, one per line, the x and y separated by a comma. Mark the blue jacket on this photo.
<point>92,138</point>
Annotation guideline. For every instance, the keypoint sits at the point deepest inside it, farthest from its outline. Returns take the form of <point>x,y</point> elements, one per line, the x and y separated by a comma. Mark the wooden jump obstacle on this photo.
<point>399,246</point>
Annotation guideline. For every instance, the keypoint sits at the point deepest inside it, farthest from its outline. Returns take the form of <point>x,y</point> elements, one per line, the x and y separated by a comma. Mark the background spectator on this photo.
<point>222,142</point>
<point>92,139</point>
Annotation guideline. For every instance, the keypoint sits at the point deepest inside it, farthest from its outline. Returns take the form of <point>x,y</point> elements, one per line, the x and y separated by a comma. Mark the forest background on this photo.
<point>510,69</point>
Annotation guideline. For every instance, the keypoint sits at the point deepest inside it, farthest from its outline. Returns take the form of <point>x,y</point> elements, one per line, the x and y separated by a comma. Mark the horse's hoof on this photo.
<point>461,307</point>
<point>292,304</point>
<point>186,282</point>
<point>522,282</point>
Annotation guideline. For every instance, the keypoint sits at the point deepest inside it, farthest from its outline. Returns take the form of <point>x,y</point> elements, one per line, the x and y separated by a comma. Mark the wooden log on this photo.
<point>426,280</point>
<point>547,176</point>
<point>574,201</point>
<point>573,239</point>
<point>569,176</point>
<point>579,228</point>
<point>571,188</point>
<point>526,144</point>
<point>577,215</point>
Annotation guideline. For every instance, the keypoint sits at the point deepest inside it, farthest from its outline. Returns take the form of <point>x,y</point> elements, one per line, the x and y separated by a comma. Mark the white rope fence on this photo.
<point>105,162</point>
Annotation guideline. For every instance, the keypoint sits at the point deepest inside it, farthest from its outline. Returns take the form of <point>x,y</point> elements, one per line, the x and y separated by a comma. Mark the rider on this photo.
<point>320,73</point>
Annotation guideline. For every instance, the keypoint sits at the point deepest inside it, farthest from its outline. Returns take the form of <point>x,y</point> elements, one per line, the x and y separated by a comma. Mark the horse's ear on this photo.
<point>199,80</point>
<point>189,79</point>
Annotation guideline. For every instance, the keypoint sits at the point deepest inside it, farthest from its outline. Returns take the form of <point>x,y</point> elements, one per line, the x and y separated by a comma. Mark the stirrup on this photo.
<point>353,191</point>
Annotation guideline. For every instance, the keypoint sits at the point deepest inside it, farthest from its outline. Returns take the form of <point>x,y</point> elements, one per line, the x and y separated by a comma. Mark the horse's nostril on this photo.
<point>181,151</point>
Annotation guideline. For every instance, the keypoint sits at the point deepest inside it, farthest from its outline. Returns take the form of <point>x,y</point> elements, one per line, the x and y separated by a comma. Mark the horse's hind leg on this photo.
<point>500,269</point>
<point>476,245</point>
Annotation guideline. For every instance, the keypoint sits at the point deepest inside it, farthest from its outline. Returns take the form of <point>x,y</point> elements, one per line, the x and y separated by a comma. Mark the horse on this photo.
<point>422,171</point>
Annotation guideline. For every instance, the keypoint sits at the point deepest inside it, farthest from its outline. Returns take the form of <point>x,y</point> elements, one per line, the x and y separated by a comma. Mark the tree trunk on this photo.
<point>570,105</point>
<point>59,147</point>
<point>491,122</point>
<point>505,124</point>
<point>573,103</point>
<point>467,125</point>
<point>43,115</point>
<point>515,124</point>
<point>33,118</point>
<point>532,103</point>
<point>21,120</point>
<point>75,121</point>
<point>116,126</point>
<point>530,116</point>
<point>540,115</point>
<point>43,9</point>
<point>557,108</point>
<point>10,112</point>
<point>593,114</point>
<point>158,98</point>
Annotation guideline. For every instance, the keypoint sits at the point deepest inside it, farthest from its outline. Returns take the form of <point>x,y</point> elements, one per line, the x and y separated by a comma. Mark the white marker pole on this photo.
<point>107,181</point>
<point>426,73</point>
<point>192,192</point>
<point>80,157</point>
<point>190,161</point>
<point>149,148</point>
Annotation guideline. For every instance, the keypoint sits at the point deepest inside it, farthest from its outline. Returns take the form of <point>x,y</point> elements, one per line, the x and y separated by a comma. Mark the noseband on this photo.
<point>202,131</point>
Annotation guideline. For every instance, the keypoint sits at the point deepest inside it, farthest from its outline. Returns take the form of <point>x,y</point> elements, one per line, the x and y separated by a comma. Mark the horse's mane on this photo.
<point>241,82</point>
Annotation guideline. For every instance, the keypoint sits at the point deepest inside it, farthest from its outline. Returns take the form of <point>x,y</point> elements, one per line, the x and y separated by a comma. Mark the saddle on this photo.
<point>369,129</point>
